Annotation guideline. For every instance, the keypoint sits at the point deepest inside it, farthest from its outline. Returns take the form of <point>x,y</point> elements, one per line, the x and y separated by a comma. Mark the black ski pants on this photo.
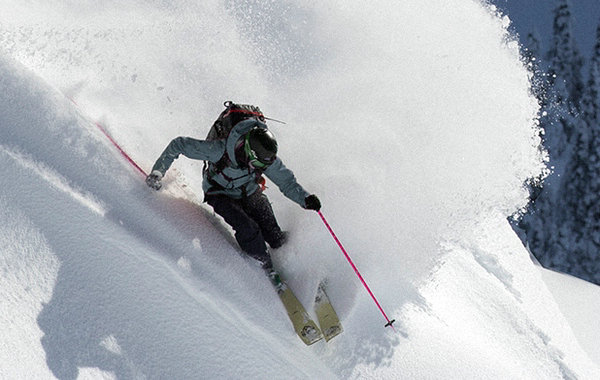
<point>253,221</point>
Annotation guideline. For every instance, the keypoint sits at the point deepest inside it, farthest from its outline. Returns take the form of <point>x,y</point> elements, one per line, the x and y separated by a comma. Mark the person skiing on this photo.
<point>232,178</point>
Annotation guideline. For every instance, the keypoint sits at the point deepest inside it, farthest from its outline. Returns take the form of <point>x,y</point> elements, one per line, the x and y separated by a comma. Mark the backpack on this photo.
<point>233,114</point>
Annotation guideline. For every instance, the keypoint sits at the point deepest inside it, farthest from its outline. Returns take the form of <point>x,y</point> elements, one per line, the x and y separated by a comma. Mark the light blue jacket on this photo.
<point>234,180</point>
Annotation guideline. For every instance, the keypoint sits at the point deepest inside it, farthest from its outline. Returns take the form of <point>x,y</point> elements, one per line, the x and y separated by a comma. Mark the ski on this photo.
<point>304,326</point>
<point>326,315</point>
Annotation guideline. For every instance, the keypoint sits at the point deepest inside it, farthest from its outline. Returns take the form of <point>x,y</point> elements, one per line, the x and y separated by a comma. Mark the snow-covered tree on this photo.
<point>531,55</point>
<point>565,88</point>
<point>544,224</point>
<point>590,107</point>
<point>563,223</point>
<point>564,57</point>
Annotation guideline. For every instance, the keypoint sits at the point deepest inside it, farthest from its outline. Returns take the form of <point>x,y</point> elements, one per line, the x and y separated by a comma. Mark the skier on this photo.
<point>232,179</point>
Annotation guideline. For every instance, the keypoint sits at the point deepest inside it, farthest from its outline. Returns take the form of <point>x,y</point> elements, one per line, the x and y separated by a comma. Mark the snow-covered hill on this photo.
<point>413,123</point>
<point>578,301</point>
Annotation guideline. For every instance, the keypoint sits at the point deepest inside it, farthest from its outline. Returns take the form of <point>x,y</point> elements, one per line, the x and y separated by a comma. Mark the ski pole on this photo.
<point>121,150</point>
<point>389,323</point>
<point>113,141</point>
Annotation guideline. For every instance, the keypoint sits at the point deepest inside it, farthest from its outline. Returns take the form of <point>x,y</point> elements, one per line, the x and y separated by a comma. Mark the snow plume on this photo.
<point>416,122</point>
<point>412,121</point>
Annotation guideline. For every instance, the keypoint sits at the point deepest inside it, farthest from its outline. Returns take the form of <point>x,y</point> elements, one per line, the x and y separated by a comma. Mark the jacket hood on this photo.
<point>238,131</point>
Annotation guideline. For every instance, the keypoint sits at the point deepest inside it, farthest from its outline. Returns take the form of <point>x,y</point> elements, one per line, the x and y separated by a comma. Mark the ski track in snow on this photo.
<point>104,278</point>
<point>55,180</point>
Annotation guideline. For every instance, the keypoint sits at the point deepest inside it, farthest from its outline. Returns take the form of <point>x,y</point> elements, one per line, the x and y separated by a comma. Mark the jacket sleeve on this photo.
<point>191,148</point>
<point>286,181</point>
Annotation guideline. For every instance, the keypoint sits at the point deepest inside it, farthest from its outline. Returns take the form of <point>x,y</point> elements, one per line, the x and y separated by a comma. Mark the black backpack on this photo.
<point>233,114</point>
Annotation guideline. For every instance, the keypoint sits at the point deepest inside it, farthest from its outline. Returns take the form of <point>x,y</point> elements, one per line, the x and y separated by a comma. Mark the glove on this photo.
<point>153,180</point>
<point>312,203</point>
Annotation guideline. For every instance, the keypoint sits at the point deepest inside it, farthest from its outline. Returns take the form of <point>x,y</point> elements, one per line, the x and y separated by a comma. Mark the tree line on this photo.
<point>562,224</point>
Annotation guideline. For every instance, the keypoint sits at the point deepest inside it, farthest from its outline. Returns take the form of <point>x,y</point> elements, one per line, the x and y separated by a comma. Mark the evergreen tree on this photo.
<point>564,57</point>
<point>563,222</point>
<point>591,100</point>
<point>574,208</point>
<point>531,54</point>
<point>547,234</point>
<point>551,221</point>
<point>591,115</point>
<point>564,89</point>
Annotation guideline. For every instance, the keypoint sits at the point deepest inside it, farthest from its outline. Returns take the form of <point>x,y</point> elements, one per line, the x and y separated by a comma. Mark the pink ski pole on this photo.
<point>127,157</point>
<point>114,142</point>
<point>389,323</point>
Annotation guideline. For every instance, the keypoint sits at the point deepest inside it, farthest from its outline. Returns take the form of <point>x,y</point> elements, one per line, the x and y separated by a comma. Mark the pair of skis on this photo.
<point>304,326</point>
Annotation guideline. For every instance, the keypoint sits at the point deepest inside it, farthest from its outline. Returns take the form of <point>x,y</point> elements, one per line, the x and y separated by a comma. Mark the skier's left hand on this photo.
<point>312,203</point>
<point>153,180</point>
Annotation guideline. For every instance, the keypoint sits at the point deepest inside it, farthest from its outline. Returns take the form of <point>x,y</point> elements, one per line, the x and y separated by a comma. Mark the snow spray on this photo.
<point>127,157</point>
<point>360,277</point>
<point>362,280</point>
<point>113,141</point>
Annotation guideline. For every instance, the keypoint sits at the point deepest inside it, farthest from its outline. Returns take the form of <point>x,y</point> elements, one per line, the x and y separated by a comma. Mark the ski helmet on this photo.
<point>260,147</point>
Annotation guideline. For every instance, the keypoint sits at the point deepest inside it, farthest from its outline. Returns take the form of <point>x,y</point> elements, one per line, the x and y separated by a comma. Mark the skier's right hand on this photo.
<point>153,180</point>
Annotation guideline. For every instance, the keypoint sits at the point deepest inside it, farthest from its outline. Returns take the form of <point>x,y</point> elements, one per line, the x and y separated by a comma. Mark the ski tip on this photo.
<point>310,334</point>
<point>332,332</point>
<point>390,323</point>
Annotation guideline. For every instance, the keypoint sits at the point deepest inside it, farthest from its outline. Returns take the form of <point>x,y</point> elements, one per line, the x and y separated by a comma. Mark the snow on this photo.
<point>412,121</point>
<point>578,302</point>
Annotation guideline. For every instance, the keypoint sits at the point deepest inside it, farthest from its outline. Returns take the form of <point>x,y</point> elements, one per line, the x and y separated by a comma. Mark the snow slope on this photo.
<point>109,275</point>
<point>412,122</point>
<point>578,301</point>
